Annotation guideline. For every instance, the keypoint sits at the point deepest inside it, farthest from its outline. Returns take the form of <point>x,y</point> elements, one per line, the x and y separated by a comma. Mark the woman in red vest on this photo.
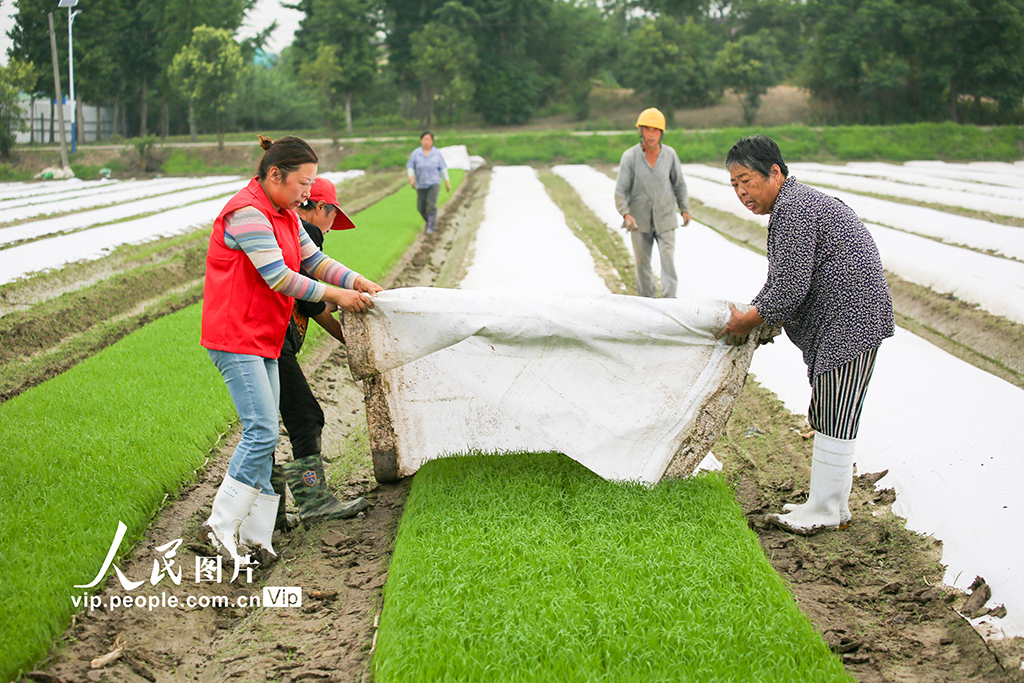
<point>252,278</point>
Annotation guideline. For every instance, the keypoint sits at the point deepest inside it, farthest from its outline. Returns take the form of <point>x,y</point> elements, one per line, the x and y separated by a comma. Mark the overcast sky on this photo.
<point>265,12</point>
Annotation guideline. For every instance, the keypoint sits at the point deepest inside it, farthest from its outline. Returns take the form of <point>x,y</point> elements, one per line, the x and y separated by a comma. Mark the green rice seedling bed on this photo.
<point>99,443</point>
<point>106,440</point>
<point>531,568</point>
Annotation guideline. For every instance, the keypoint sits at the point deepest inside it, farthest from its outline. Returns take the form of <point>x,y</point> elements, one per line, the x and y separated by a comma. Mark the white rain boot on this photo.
<point>827,505</point>
<point>845,516</point>
<point>231,506</point>
<point>258,528</point>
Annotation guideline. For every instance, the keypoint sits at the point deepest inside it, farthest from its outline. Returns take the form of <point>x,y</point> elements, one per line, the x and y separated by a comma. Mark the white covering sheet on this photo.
<point>620,384</point>
<point>542,358</point>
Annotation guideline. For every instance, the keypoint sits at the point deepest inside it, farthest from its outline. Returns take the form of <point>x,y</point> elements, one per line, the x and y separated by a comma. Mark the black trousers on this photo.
<point>300,411</point>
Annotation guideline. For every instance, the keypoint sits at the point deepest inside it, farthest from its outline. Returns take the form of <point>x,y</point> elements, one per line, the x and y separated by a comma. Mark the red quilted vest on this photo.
<point>241,314</point>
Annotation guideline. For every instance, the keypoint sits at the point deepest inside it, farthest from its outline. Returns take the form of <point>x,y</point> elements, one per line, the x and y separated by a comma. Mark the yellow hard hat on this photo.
<point>651,118</point>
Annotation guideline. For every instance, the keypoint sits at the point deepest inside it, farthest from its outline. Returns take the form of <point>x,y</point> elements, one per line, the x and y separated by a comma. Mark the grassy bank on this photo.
<point>944,141</point>
<point>531,568</point>
<point>106,440</point>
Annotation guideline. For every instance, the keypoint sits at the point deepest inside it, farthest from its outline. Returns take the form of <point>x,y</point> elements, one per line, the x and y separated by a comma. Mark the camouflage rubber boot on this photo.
<point>316,504</point>
<point>277,480</point>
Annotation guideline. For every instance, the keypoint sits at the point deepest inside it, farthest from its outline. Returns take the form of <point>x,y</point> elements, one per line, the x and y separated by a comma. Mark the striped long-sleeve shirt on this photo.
<point>249,230</point>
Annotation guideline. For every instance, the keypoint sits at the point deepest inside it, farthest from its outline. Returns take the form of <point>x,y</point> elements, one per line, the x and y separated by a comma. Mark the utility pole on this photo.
<point>56,88</point>
<point>71,68</point>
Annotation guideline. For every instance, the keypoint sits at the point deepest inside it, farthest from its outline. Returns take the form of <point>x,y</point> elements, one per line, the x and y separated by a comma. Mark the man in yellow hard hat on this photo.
<point>648,191</point>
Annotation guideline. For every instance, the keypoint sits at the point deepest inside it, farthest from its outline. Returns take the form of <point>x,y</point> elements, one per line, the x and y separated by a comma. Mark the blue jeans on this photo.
<point>255,389</point>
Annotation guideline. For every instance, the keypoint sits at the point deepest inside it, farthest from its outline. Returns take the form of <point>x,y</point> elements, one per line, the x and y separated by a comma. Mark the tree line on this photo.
<point>171,66</point>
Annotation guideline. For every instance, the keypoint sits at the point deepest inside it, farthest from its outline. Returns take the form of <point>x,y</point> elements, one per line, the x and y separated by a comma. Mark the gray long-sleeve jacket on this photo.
<point>651,195</point>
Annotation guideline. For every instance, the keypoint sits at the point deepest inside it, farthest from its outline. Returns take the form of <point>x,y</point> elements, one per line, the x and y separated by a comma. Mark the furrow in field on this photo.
<point>963,198</point>
<point>941,169</point>
<point>950,228</point>
<point>116,212</point>
<point>44,200</point>
<point>10,191</point>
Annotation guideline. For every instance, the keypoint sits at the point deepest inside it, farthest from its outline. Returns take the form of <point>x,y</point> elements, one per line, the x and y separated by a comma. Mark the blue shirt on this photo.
<point>429,168</point>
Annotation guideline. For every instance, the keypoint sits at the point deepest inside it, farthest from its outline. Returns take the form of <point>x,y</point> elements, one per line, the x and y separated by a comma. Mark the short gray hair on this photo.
<point>759,153</point>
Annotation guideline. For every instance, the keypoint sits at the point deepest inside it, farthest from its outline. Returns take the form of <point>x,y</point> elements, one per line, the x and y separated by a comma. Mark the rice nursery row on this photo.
<point>106,440</point>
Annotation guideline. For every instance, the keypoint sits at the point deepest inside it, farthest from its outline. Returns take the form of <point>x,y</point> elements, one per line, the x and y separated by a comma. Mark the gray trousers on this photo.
<point>643,243</point>
<point>426,204</point>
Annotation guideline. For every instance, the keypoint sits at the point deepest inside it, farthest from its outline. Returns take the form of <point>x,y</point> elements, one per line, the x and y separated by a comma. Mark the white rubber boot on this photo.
<point>231,506</point>
<point>827,505</point>
<point>258,528</point>
<point>845,516</point>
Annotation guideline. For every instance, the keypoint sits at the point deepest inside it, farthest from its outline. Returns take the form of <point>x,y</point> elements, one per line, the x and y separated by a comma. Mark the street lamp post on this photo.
<point>71,67</point>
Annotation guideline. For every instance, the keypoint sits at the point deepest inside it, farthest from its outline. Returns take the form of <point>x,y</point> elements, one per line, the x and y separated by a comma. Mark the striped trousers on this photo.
<point>837,397</point>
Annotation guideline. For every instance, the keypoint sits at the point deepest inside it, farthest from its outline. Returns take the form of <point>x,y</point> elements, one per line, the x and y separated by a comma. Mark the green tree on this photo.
<point>325,77</point>
<point>271,98</point>
<point>172,23</point>
<point>206,72</point>
<point>509,80</point>
<point>444,59</point>
<point>750,66</point>
<point>350,26</point>
<point>15,78</point>
<point>785,20</point>
<point>578,62</point>
<point>881,61</point>
<point>670,64</point>
<point>987,55</point>
<point>122,49</point>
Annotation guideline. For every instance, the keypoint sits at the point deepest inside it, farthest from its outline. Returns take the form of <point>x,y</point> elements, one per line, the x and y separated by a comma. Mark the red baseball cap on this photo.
<point>323,190</point>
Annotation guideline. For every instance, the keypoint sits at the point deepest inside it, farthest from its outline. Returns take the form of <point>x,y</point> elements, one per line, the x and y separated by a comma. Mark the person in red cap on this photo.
<point>257,247</point>
<point>301,413</point>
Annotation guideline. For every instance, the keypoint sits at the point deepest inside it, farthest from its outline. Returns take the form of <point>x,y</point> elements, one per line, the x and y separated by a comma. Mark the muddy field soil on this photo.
<point>873,590</point>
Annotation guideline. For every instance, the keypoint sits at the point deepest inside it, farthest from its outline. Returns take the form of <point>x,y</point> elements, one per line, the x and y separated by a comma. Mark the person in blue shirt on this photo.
<point>426,169</point>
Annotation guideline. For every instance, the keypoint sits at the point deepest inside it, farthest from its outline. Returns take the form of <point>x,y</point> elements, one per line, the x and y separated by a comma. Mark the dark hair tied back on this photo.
<point>287,154</point>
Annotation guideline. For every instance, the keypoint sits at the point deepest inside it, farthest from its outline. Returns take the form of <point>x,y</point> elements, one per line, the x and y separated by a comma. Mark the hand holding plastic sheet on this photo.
<point>631,388</point>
